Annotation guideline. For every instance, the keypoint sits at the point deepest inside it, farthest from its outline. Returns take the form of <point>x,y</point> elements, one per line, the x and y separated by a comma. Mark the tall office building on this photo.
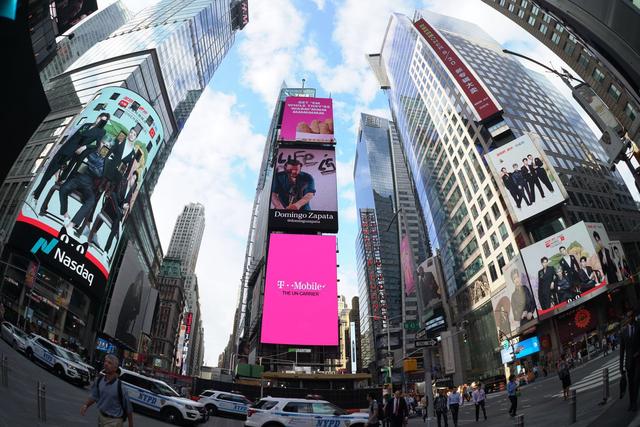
<point>355,337</point>
<point>444,140</point>
<point>384,191</point>
<point>166,53</point>
<point>597,40</point>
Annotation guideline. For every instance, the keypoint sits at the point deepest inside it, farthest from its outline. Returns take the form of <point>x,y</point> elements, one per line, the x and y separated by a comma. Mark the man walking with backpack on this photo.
<point>112,401</point>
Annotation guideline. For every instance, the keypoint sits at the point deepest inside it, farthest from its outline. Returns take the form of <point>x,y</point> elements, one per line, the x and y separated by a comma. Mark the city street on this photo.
<point>18,405</point>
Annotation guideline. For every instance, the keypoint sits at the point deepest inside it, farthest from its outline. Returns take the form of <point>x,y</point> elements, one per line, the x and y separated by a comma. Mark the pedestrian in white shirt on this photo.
<point>479,396</point>
<point>453,402</point>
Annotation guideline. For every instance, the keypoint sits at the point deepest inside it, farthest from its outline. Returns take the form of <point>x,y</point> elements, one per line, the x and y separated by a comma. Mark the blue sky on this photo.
<point>216,159</point>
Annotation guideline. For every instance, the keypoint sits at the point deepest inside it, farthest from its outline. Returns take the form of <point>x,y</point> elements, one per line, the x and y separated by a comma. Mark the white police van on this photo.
<point>221,401</point>
<point>155,397</point>
<point>281,412</point>
<point>49,354</point>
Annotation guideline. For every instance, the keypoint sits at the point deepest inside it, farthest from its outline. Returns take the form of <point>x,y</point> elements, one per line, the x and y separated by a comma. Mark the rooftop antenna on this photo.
<point>303,80</point>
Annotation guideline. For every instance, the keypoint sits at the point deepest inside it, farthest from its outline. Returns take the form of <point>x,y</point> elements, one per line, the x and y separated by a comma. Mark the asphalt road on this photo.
<point>539,402</point>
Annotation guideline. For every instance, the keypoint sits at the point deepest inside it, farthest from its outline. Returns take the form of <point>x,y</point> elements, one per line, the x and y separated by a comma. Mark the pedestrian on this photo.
<point>386,421</point>
<point>440,407</point>
<point>397,411</point>
<point>424,404</point>
<point>112,400</point>
<point>373,420</point>
<point>605,346</point>
<point>454,401</point>
<point>630,357</point>
<point>512,393</point>
<point>479,397</point>
<point>565,378</point>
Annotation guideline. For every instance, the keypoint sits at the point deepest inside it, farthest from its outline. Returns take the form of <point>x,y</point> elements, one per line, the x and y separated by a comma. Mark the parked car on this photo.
<point>280,412</point>
<point>14,336</point>
<point>224,402</point>
<point>155,397</point>
<point>40,349</point>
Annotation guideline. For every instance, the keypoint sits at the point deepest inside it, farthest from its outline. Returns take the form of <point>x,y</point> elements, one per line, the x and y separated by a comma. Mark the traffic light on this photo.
<point>465,337</point>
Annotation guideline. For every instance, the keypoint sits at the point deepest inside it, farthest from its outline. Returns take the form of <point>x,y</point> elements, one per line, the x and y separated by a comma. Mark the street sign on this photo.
<point>299,350</point>
<point>412,325</point>
<point>505,344</point>
<point>425,343</point>
<point>421,334</point>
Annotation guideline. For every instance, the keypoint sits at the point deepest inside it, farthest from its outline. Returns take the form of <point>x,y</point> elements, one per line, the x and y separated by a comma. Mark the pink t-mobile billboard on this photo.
<point>301,291</point>
<point>307,119</point>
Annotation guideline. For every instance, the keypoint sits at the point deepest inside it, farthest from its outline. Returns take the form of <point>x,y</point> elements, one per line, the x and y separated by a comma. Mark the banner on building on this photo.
<point>73,215</point>
<point>304,192</point>
<point>448,352</point>
<point>564,269</point>
<point>482,103</point>
<point>307,119</point>
<point>353,347</point>
<point>408,266</point>
<point>527,181</point>
<point>133,301</point>
<point>300,297</point>
<point>430,282</point>
<point>514,306</point>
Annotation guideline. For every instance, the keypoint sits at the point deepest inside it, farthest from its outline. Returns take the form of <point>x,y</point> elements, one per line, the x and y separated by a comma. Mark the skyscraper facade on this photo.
<point>467,223</point>
<point>384,190</point>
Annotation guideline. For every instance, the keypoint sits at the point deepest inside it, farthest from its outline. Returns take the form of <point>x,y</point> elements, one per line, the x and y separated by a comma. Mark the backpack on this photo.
<point>120,398</point>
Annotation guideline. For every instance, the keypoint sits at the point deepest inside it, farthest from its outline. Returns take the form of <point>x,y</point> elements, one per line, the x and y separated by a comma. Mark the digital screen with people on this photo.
<point>75,211</point>
<point>526,179</point>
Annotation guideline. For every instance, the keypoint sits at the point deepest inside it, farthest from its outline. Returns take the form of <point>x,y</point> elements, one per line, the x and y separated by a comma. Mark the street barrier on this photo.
<point>573,408</point>
<point>4,371</point>
<point>41,398</point>
<point>519,421</point>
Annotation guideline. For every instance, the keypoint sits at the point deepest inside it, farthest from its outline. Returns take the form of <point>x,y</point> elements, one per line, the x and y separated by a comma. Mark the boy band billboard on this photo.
<point>301,291</point>
<point>304,190</point>
<point>307,119</point>
<point>527,181</point>
<point>568,266</point>
<point>75,210</point>
<point>514,305</point>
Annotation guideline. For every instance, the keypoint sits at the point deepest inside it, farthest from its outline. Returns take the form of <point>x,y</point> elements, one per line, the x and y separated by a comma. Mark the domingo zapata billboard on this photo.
<point>565,268</point>
<point>527,181</point>
<point>304,190</point>
<point>301,291</point>
<point>75,210</point>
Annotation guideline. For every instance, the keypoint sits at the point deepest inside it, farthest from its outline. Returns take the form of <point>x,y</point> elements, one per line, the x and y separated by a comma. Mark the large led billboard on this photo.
<point>483,104</point>
<point>304,192</point>
<point>74,212</point>
<point>408,266</point>
<point>307,119</point>
<point>301,292</point>
<point>527,181</point>
<point>607,255</point>
<point>521,349</point>
<point>430,282</point>
<point>564,269</point>
<point>513,305</point>
<point>133,301</point>
<point>69,12</point>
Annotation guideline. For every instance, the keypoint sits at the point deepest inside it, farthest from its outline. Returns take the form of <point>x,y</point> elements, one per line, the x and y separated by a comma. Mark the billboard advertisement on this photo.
<point>564,269</point>
<point>133,301</point>
<point>69,12</point>
<point>408,267</point>
<point>513,305</point>
<point>301,292</point>
<point>430,282</point>
<point>74,212</point>
<point>623,269</point>
<point>483,105</point>
<point>353,347</point>
<point>307,119</point>
<point>606,254</point>
<point>304,192</point>
<point>527,181</point>
<point>521,349</point>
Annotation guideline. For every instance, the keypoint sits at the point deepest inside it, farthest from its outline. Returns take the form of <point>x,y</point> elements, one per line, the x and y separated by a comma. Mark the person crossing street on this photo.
<point>479,398</point>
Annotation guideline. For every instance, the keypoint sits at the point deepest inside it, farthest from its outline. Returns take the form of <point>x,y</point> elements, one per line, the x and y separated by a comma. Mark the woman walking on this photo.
<point>565,378</point>
<point>512,393</point>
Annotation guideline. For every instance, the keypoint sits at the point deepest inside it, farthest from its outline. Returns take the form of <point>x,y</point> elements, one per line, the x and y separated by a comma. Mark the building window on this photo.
<point>597,75</point>
<point>511,7</point>
<point>543,29</point>
<point>555,38</point>
<point>532,19</point>
<point>485,247</point>
<point>503,231</point>
<point>534,10</point>
<point>524,3</point>
<point>583,60</point>
<point>492,272</point>
<point>521,14</point>
<point>510,252</point>
<point>630,112</point>
<point>546,18</point>
<point>614,92</point>
<point>502,2</point>
<point>569,47</point>
<point>559,28</point>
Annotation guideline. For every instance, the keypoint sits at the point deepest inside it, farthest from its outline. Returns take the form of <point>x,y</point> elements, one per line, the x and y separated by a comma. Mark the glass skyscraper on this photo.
<point>467,222</point>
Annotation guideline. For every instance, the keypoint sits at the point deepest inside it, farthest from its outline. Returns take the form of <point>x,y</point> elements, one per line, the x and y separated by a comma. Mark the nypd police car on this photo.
<point>51,355</point>
<point>155,397</point>
<point>221,401</point>
<point>281,412</point>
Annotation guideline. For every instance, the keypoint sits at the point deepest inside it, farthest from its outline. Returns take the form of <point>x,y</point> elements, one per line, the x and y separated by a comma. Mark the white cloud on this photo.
<point>268,47</point>
<point>319,4</point>
<point>216,147</point>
